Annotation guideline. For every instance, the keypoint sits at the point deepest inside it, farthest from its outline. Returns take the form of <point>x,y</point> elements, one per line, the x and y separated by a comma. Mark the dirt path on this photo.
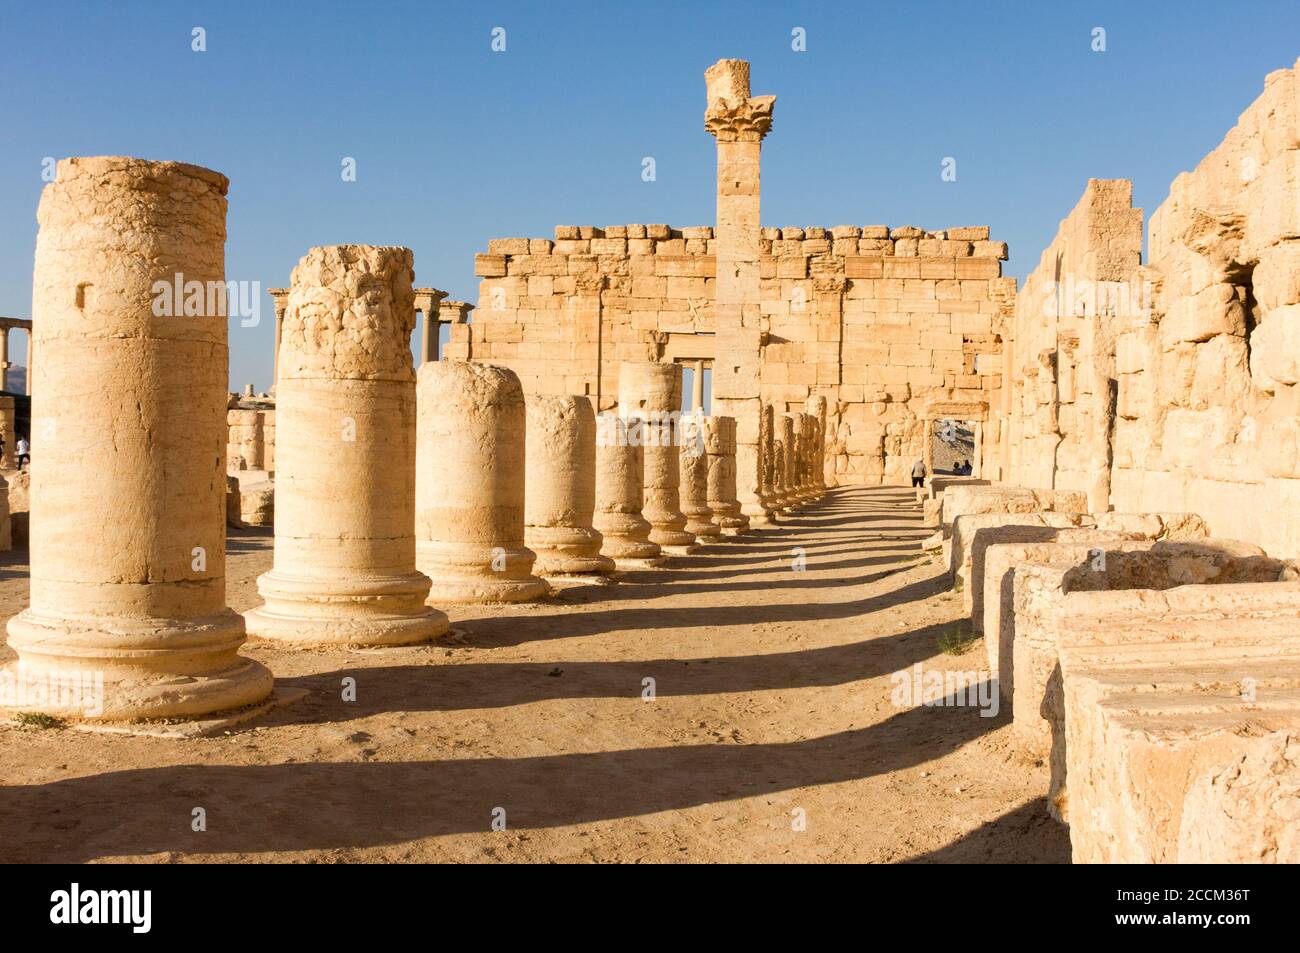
<point>772,706</point>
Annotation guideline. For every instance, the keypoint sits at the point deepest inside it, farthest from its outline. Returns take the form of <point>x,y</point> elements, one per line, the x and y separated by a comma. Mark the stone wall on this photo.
<point>1059,408</point>
<point>1205,365</point>
<point>888,324</point>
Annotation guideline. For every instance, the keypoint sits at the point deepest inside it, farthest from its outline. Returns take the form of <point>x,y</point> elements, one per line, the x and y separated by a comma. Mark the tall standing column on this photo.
<point>344,570</point>
<point>4,358</point>
<point>560,487</point>
<point>697,387</point>
<point>816,405</point>
<point>280,301</point>
<point>720,445</point>
<point>739,122</point>
<point>128,509</point>
<point>469,484</point>
<point>8,433</point>
<point>780,499</point>
<point>428,338</point>
<point>428,301</point>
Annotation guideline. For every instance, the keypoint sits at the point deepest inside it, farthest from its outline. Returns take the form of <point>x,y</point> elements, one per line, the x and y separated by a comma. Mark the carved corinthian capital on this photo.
<point>732,115</point>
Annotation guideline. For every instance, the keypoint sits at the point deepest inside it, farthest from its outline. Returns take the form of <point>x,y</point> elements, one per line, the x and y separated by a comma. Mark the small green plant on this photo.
<point>956,640</point>
<point>38,721</point>
<point>958,585</point>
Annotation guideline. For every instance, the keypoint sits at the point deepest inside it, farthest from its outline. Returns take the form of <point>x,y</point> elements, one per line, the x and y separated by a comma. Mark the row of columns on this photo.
<point>397,492</point>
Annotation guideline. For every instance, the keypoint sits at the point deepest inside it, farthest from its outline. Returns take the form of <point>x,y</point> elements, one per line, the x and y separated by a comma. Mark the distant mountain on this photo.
<point>16,379</point>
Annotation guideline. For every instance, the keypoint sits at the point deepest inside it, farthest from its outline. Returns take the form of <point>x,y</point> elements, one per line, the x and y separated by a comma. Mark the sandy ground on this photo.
<point>771,735</point>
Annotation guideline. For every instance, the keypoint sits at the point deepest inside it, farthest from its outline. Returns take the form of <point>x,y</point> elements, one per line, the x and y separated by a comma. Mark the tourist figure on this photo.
<point>24,452</point>
<point>918,473</point>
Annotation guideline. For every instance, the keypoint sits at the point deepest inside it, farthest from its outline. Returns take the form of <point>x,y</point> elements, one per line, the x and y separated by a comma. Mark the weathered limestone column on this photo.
<point>694,471</point>
<point>816,405</point>
<point>428,301</point>
<point>4,358</point>
<point>807,451</point>
<point>620,476</point>
<point>800,485</point>
<point>652,393</point>
<point>127,498</point>
<point>697,387</point>
<point>560,487</point>
<point>344,570</point>
<point>767,468</point>
<point>8,430</point>
<point>469,484</point>
<point>780,498</point>
<point>789,474</point>
<point>280,301</point>
<point>738,122</point>
<point>428,338</point>
<point>720,445</point>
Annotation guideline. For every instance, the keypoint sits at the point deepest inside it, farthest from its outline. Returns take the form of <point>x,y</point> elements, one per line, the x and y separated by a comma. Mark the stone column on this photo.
<point>697,388</point>
<point>927,453</point>
<point>428,338</point>
<point>720,445</point>
<point>469,484</point>
<point>127,498</point>
<point>4,358</point>
<point>738,122</point>
<point>816,405</point>
<point>789,476</point>
<point>693,469</point>
<point>280,301</point>
<point>767,469</point>
<point>344,570</point>
<point>652,393</point>
<point>9,432</point>
<point>428,301</point>
<point>810,455</point>
<point>560,487</point>
<point>620,476</point>
<point>797,481</point>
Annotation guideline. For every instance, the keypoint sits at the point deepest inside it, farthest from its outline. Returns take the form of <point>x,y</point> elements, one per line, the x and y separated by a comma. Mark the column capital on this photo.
<point>732,115</point>
<point>454,312</point>
<point>280,298</point>
<point>427,300</point>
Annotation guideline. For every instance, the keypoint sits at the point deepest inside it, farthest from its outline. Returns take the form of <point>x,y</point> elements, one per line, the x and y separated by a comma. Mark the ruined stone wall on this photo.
<point>1058,408</point>
<point>1205,363</point>
<point>887,324</point>
<point>1209,387</point>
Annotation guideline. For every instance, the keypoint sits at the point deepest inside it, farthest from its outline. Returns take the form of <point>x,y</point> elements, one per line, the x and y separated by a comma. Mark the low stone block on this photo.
<point>1180,726</point>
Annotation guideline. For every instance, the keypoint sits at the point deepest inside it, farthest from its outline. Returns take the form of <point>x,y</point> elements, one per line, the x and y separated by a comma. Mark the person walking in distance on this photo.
<point>918,473</point>
<point>24,452</point>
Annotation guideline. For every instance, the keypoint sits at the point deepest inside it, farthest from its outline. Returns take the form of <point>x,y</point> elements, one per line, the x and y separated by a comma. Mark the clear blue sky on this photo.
<point>456,144</point>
